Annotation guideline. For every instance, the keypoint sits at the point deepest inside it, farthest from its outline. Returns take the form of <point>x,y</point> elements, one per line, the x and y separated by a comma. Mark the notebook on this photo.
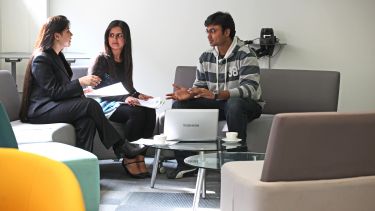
<point>191,125</point>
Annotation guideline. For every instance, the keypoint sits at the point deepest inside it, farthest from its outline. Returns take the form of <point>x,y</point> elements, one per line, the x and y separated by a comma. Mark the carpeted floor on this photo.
<point>121,192</point>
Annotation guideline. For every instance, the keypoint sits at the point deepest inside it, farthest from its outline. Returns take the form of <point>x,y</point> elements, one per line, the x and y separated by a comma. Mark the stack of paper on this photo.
<point>118,89</point>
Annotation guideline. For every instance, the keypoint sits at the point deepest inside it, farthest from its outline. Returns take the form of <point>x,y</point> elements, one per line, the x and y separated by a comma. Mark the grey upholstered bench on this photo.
<point>284,91</point>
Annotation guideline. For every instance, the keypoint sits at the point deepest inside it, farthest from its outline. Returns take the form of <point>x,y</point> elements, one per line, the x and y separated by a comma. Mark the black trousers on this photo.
<point>236,111</point>
<point>139,121</point>
<point>86,116</point>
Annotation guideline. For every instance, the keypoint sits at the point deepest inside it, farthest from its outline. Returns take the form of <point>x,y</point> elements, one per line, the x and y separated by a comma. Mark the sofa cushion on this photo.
<point>241,189</point>
<point>258,131</point>
<point>78,72</point>
<point>33,133</point>
<point>320,145</point>
<point>299,90</point>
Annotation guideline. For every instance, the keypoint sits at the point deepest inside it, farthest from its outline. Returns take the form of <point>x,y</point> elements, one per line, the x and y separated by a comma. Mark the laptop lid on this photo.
<point>191,124</point>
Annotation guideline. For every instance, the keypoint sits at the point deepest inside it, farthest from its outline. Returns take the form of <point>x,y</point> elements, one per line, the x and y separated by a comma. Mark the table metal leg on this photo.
<point>14,70</point>
<point>13,66</point>
<point>155,167</point>
<point>204,185</point>
<point>198,187</point>
<point>201,154</point>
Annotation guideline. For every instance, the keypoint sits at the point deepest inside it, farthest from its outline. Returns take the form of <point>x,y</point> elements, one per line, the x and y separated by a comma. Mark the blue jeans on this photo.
<point>236,111</point>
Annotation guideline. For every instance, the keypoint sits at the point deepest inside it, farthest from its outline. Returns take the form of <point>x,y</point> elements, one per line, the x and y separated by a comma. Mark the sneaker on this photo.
<point>182,171</point>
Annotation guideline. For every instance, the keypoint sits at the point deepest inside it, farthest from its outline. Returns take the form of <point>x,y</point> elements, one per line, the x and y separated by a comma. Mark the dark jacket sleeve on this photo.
<point>52,79</point>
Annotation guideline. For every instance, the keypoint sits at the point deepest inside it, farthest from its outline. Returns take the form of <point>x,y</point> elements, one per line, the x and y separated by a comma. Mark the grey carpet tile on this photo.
<point>121,192</point>
<point>165,201</point>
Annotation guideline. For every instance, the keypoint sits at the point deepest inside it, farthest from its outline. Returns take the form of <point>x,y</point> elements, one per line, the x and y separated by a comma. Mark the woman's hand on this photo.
<point>88,90</point>
<point>132,101</point>
<point>89,80</point>
<point>144,97</point>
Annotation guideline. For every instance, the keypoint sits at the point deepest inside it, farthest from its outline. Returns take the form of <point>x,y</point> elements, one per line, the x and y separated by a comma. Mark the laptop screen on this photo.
<point>191,124</point>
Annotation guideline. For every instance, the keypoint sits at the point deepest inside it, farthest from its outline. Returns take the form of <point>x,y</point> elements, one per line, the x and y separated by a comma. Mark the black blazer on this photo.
<point>51,83</point>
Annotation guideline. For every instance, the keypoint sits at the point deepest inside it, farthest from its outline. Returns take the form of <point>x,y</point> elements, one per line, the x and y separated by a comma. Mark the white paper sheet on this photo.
<point>149,142</point>
<point>155,102</point>
<point>111,90</point>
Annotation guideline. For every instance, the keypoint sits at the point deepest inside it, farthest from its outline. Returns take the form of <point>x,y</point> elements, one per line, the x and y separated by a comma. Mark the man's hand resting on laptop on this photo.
<point>180,93</point>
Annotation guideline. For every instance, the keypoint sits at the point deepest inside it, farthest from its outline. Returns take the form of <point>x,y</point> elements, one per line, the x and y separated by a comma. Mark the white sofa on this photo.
<point>25,132</point>
<point>55,141</point>
<point>36,133</point>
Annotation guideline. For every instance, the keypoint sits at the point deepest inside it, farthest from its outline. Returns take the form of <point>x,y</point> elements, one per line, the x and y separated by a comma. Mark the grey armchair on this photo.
<point>314,161</point>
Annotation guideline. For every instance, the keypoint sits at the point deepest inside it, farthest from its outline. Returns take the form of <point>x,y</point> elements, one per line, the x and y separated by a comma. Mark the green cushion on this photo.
<point>7,138</point>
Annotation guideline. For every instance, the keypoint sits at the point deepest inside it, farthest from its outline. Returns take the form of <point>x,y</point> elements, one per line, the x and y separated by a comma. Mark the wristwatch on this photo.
<point>216,94</point>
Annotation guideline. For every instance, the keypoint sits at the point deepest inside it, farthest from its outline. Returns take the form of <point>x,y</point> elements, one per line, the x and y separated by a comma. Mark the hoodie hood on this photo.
<point>230,49</point>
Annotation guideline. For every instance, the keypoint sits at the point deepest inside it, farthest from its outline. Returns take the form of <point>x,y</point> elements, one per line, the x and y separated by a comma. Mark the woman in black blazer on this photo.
<point>49,95</point>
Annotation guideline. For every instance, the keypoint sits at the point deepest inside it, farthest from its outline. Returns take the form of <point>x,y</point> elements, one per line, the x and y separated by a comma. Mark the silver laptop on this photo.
<point>191,124</point>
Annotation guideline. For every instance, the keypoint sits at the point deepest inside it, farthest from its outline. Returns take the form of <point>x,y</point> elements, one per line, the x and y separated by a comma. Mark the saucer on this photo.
<point>231,145</point>
<point>228,141</point>
<point>160,143</point>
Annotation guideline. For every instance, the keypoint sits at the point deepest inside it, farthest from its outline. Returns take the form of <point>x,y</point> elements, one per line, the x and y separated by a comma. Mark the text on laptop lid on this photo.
<point>191,124</point>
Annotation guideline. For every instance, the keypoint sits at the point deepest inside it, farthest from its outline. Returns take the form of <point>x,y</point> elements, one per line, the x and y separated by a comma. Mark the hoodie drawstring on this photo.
<point>227,54</point>
<point>225,77</point>
<point>217,73</point>
<point>225,74</point>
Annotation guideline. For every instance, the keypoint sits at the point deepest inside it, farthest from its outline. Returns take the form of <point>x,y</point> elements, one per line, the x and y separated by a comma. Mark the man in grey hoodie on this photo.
<point>227,78</point>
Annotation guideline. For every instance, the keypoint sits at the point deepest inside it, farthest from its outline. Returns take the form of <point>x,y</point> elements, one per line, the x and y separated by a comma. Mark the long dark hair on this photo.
<point>44,42</point>
<point>126,53</point>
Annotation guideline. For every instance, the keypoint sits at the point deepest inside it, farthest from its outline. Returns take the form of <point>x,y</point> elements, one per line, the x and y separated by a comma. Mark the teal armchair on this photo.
<point>7,138</point>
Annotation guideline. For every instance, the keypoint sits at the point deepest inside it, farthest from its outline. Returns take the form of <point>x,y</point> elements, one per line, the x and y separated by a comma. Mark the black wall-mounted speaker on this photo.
<point>267,42</point>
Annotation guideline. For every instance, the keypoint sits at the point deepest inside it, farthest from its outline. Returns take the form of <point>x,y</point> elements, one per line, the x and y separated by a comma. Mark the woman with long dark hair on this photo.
<point>49,95</point>
<point>116,65</point>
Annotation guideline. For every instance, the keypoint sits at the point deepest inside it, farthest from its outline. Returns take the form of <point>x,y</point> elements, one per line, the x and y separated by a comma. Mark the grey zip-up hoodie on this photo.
<point>238,72</point>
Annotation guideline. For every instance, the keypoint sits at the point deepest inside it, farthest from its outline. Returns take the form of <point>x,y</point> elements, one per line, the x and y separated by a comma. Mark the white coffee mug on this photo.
<point>231,135</point>
<point>160,138</point>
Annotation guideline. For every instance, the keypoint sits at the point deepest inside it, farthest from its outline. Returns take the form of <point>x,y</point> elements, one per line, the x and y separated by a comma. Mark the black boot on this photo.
<point>125,149</point>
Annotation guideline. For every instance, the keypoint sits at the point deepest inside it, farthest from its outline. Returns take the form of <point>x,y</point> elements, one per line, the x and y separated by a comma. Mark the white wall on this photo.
<point>20,22</point>
<point>320,34</point>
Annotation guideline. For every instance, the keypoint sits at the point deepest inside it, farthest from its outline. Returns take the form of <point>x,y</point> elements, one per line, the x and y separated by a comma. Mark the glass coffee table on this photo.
<point>199,147</point>
<point>215,161</point>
